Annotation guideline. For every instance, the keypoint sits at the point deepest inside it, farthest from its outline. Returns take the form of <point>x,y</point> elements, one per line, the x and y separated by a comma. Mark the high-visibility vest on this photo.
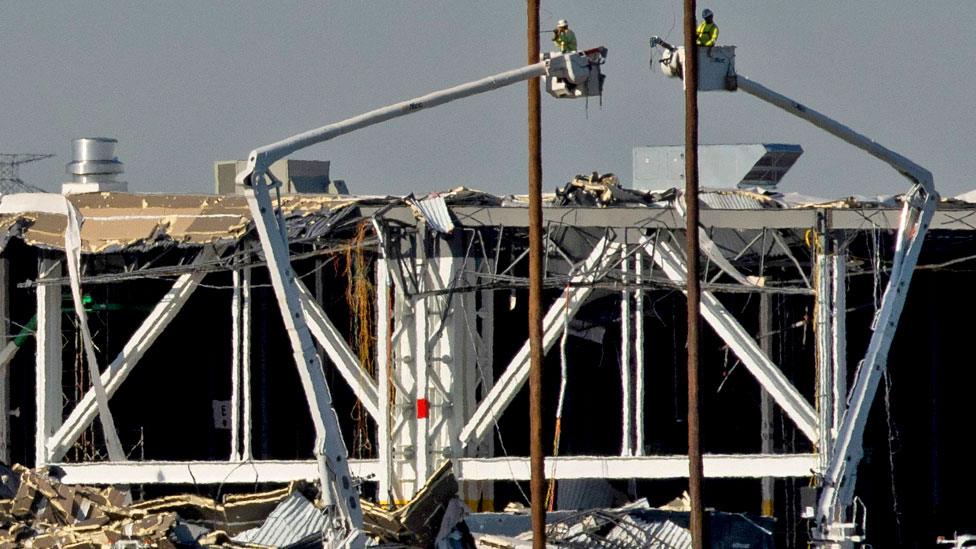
<point>707,34</point>
<point>566,41</point>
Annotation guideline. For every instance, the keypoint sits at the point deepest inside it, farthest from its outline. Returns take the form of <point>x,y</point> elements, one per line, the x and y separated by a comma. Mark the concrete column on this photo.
<point>235,366</point>
<point>767,428</point>
<point>839,333</point>
<point>823,331</point>
<point>420,357</point>
<point>626,393</point>
<point>384,438</point>
<point>48,366</point>
<point>639,357</point>
<point>4,371</point>
<point>246,451</point>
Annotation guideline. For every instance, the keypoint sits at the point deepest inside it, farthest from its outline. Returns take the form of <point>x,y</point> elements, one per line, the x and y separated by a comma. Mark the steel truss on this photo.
<point>435,397</point>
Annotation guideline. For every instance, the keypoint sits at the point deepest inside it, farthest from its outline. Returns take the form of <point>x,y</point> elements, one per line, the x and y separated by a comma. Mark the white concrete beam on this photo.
<point>641,467</point>
<point>201,472</point>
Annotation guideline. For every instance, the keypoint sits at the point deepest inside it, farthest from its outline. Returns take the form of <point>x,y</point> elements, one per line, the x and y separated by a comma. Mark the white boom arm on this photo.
<point>578,69</point>
<point>837,496</point>
<point>904,166</point>
<point>833,523</point>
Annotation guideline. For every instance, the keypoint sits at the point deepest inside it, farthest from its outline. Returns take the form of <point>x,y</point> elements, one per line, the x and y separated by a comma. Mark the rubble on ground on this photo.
<point>632,526</point>
<point>38,511</point>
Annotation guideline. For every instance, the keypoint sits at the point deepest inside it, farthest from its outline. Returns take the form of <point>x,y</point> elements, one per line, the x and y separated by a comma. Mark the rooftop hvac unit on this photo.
<point>719,166</point>
<point>297,176</point>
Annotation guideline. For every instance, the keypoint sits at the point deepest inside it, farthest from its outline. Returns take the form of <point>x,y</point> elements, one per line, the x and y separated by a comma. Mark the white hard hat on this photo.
<point>706,13</point>
<point>562,23</point>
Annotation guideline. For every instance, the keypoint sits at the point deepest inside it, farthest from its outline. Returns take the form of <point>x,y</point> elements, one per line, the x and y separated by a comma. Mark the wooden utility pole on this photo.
<point>696,517</point>
<point>537,468</point>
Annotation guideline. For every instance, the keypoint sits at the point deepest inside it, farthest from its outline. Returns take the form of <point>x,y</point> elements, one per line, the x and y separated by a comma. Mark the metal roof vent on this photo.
<point>94,167</point>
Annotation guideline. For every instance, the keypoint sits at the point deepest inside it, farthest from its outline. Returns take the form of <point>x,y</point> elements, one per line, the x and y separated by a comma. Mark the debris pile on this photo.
<point>604,190</point>
<point>36,510</point>
<point>40,511</point>
<point>433,518</point>
<point>632,526</point>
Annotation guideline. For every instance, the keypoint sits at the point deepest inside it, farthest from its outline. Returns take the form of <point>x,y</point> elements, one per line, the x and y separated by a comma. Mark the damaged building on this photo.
<point>418,308</point>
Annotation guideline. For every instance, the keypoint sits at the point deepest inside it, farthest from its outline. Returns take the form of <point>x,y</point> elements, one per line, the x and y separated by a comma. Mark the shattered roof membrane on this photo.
<point>116,222</point>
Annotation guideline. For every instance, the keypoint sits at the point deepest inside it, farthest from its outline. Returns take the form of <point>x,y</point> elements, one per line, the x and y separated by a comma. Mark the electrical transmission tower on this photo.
<point>10,181</point>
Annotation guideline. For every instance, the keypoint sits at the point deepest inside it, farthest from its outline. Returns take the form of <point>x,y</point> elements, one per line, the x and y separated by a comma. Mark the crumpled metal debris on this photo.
<point>638,525</point>
<point>604,190</point>
<point>42,512</point>
<point>433,210</point>
<point>433,518</point>
<point>292,521</point>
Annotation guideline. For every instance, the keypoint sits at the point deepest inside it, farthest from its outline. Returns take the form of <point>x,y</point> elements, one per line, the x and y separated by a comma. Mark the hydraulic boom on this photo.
<point>834,523</point>
<point>575,74</point>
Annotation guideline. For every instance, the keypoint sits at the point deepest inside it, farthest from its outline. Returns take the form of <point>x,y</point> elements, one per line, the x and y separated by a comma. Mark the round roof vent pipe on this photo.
<point>94,167</point>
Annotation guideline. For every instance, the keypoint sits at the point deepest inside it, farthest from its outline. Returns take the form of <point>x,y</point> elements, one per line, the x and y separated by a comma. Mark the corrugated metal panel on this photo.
<point>633,532</point>
<point>584,493</point>
<point>293,520</point>
<point>731,201</point>
<point>435,211</point>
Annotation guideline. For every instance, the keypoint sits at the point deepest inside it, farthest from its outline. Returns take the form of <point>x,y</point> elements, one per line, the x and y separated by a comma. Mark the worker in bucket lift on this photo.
<point>707,32</point>
<point>564,38</point>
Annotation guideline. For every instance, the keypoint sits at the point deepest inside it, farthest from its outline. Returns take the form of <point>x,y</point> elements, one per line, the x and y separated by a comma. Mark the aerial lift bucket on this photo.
<point>716,65</point>
<point>582,74</point>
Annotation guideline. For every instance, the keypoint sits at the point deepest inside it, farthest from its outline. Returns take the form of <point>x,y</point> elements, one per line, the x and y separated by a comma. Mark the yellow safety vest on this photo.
<point>707,33</point>
<point>566,41</point>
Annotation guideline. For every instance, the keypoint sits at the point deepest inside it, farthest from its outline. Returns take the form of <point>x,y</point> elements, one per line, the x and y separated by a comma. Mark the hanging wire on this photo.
<point>498,430</point>
<point>360,296</point>
<point>563,380</point>
<point>893,444</point>
<point>893,436</point>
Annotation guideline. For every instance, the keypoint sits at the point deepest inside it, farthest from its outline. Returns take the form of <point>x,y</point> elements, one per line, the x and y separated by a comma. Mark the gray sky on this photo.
<point>181,84</point>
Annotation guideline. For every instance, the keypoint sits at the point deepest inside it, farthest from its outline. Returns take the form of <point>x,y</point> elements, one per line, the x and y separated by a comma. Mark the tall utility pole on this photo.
<point>10,181</point>
<point>696,517</point>
<point>537,465</point>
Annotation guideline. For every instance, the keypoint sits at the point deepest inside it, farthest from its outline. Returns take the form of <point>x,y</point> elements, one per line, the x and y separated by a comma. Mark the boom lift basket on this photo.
<point>580,77</point>
<point>716,69</point>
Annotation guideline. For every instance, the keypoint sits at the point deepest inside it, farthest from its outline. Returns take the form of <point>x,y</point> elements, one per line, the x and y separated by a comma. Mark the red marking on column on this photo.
<point>423,407</point>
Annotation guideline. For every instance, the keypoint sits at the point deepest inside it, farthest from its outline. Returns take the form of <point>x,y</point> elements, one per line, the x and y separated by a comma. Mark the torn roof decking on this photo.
<point>122,221</point>
<point>129,222</point>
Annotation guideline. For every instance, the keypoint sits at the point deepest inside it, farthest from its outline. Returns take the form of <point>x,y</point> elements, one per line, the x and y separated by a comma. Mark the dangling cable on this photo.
<point>893,443</point>
<point>563,378</point>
